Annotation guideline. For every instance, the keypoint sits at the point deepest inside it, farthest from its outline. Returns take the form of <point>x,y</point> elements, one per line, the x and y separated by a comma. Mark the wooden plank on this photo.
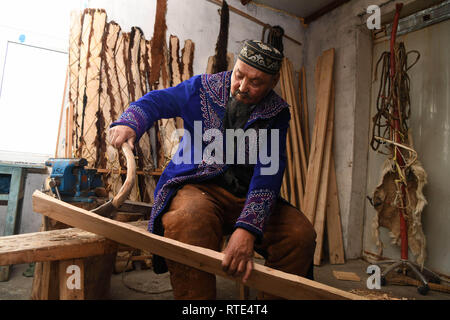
<point>230,61</point>
<point>333,219</point>
<point>284,183</point>
<point>262,278</point>
<point>89,128</point>
<point>169,65</point>
<point>149,151</point>
<point>174,61</point>
<point>53,245</point>
<point>305,112</point>
<point>110,103</point>
<point>319,221</point>
<point>290,142</point>
<point>300,159</point>
<point>295,170</point>
<point>45,284</point>
<point>346,276</point>
<point>46,274</point>
<point>145,158</point>
<point>175,69</point>
<point>121,54</point>
<point>318,141</point>
<point>85,37</point>
<point>158,41</point>
<point>123,61</point>
<point>187,60</point>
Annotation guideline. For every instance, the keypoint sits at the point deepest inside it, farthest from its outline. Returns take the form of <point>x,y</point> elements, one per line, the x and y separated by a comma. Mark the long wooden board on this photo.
<point>318,139</point>
<point>262,278</point>
<point>333,219</point>
<point>319,221</point>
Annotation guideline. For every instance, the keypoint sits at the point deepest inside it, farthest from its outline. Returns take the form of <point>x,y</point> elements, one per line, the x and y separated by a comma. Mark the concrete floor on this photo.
<point>146,285</point>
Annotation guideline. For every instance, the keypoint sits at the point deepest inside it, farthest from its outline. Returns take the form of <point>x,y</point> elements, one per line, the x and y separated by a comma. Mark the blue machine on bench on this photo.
<point>71,182</point>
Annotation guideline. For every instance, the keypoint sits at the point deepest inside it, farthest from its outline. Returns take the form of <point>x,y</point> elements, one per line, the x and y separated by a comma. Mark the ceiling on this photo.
<point>307,9</point>
<point>300,8</point>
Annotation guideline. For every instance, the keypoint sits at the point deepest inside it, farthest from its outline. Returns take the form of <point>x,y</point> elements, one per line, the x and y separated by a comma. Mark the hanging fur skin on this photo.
<point>385,201</point>
<point>158,40</point>
<point>220,60</point>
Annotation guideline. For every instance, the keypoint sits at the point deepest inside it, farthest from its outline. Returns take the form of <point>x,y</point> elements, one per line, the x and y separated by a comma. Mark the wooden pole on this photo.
<point>302,157</point>
<point>305,111</point>
<point>290,142</point>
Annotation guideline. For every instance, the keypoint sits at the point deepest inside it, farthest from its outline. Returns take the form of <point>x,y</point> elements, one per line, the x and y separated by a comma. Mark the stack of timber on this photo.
<point>322,203</point>
<point>108,69</point>
<point>310,177</point>
<point>292,188</point>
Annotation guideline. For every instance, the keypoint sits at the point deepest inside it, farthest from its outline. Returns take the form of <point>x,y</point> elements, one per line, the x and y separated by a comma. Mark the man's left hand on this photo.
<point>238,258</point>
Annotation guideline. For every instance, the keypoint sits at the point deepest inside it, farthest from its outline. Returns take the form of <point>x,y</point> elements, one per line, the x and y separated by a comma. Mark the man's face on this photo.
<point>250,85</point>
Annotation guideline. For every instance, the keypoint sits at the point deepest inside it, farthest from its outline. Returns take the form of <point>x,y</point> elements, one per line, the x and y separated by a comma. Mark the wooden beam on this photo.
<point>53,245</point>
<point>262,278</point>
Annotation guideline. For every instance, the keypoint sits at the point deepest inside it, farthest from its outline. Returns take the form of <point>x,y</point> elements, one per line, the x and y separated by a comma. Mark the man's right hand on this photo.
<point>119,134</point>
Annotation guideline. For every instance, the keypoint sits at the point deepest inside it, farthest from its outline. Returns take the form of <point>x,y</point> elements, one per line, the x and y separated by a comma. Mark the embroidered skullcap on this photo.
<point>261,56</point>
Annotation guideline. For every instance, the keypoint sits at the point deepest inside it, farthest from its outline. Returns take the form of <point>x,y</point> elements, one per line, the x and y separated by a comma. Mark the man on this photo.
<point>198,202</point>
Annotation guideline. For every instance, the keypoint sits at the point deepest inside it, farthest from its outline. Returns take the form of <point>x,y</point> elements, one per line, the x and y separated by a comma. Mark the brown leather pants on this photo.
<point>201,214</point>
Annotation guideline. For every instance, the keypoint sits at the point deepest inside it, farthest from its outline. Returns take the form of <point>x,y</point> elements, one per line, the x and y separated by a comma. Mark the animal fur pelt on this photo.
<point>158,41</point>
<point>220,61</point>
<point>385,201</point>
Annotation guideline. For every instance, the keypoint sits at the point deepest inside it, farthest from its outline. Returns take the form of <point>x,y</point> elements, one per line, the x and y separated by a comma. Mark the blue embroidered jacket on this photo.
<point>204,98</point>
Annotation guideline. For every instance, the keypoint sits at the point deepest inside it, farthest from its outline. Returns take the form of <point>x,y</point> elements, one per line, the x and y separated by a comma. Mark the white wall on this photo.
<point>199,21</point>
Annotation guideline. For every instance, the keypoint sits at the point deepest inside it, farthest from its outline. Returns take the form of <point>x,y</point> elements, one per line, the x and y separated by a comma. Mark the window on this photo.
<point>31,91</point>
